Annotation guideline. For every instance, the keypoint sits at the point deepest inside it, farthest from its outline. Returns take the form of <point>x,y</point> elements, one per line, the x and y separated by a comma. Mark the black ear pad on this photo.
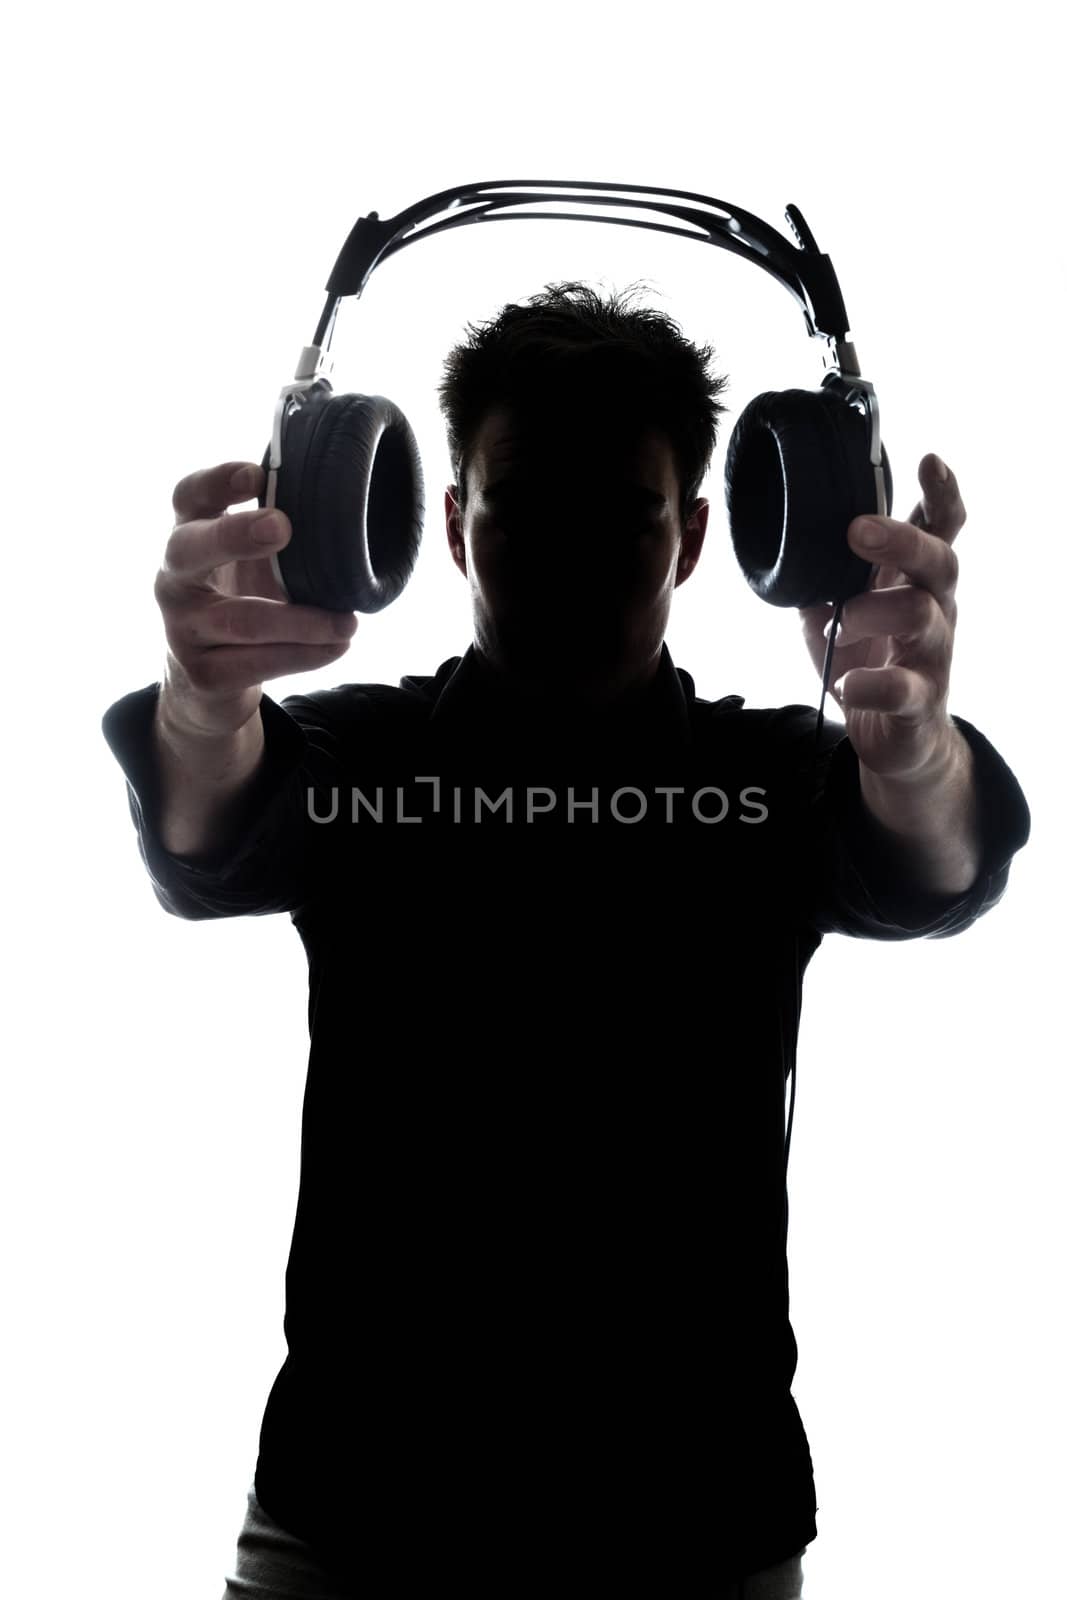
<point>797,472</point>
<point>351,484</point>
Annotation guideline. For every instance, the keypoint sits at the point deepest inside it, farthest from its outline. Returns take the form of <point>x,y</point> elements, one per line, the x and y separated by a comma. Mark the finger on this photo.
<point>236,666</point>
<point>941,509</point>
<point>897,691</point>
<point>814,620</point>
<point>906,613</point>
<point>818,615</point>
<point>208,492</point>
<point>195,549</point>
<point>242,620</point>
<point>925,558</point>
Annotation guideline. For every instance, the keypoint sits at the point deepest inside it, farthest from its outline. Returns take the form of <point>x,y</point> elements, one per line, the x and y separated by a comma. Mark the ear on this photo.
<point>454,528</point>
<point>692,542</point>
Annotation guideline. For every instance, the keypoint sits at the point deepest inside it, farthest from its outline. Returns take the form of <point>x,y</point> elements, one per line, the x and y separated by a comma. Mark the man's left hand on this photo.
<point>893,647</point>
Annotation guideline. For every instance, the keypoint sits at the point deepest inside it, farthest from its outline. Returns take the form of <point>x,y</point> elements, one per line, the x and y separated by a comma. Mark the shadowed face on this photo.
<point>573,546</point>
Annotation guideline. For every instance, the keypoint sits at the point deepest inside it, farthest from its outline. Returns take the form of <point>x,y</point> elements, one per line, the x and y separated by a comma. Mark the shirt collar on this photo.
<point>468,697</point>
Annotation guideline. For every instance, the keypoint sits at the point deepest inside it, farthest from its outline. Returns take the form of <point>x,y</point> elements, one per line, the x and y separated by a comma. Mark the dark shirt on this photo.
<point>537,1304</point>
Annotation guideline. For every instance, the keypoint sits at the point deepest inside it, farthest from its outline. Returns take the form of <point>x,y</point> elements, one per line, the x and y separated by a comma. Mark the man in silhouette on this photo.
<point>557,909</point>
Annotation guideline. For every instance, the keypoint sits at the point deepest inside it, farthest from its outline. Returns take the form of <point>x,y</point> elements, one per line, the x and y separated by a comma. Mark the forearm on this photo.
<point>203,780</point>
<point>932,818</point>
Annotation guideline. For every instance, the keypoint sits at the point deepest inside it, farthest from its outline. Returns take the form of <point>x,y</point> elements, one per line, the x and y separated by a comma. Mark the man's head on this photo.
<point>579,434</point>
<point>572,547</point>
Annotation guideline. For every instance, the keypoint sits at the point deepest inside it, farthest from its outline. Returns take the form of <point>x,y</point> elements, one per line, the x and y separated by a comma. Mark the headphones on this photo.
<point>800,465</point>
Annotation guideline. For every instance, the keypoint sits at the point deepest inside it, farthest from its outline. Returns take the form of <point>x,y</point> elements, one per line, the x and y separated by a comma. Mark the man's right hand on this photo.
<point>229,625</point>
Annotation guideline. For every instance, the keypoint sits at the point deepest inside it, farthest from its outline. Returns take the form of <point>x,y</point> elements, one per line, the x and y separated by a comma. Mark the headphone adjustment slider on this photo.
<point>314,363</point>
<point>840,356</point>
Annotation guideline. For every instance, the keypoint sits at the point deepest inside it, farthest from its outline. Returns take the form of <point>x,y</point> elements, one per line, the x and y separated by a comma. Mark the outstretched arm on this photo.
<point>894,644</point>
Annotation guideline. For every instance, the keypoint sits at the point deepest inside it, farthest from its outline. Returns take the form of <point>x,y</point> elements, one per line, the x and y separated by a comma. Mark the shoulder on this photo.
<point>349,705</point>
<point>787,729</point>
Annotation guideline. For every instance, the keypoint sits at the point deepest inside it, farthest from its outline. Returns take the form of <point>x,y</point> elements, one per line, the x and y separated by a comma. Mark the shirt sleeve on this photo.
<point>272,861</point>
<point>852,879</point>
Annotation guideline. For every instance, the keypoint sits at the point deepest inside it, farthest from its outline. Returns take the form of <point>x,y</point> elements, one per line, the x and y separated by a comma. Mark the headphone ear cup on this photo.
<point>351,484</point>
<point>797,472</point>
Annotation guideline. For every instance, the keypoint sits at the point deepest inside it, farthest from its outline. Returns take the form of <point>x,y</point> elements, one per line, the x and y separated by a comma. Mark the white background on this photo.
<point>179,183</point>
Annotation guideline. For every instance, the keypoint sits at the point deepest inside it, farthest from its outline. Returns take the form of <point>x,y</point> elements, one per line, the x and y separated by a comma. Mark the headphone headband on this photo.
<point>802,268</point>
